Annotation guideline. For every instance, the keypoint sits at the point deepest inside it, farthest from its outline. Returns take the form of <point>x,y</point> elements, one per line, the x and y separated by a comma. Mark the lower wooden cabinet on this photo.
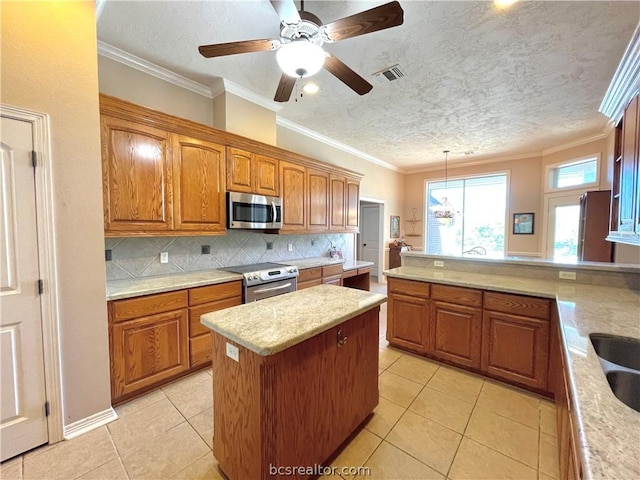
<point>455,333</point>
<point>408,315</point>
<point>515,348</point>
<point>148,350</point>
<point>309,277</point>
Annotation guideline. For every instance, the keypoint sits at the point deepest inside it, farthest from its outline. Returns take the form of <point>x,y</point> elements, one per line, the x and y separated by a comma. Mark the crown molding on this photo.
<point>126,58</point>
<point>250,96</point>
<point>577,143</point>
<point>334,143</point>
<point>472,163</point>
<point>625,82</point>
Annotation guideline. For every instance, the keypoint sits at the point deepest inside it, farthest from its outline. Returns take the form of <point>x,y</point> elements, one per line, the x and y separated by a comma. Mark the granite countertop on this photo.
<point>609,431</point>
<point>135,287</point>
<point>303,263</point>
<point>277,323</point>
<point>355,264</point>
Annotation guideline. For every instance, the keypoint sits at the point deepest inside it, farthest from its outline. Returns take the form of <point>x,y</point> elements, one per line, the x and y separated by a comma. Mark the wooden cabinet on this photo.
<point>332,274</point>
<point>202,300</point>
<point>149,342</point>
<point>252,173</point>
<point>456,325</point>
<point>594,227</point>
<point>137,177</point>
<point>625,207</point>
<point>408,314</point>
<point>293,180</point>
<point>353,205</point>
<point>198,186</point>
<point>309,277</point>
<point>338,209</point>
<point>158,182</point>
<point>515,347</point>
<point>317,200</point>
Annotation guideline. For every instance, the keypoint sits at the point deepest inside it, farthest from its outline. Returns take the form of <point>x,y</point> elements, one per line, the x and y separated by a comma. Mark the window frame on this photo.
<point>549,174</point>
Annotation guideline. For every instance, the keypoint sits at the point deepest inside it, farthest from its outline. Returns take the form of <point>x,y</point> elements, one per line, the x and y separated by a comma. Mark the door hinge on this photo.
<point>47,409</point>
<point>40,287</point>
<point>34,158</point>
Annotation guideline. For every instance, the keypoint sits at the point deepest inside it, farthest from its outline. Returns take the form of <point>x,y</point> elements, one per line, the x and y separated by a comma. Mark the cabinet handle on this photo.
<point>342,339</point>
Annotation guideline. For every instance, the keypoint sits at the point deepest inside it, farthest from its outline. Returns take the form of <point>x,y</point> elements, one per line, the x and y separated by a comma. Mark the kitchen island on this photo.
<point>293,377</point>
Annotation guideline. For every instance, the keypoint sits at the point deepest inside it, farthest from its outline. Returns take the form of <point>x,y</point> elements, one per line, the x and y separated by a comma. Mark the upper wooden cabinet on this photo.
<point>338,207</point>
<point>137,177</point>
<point>353,205</point>
<point>252,173</point>
<point>293,179</point>
<point>318,200</point>
<point>198,186</point>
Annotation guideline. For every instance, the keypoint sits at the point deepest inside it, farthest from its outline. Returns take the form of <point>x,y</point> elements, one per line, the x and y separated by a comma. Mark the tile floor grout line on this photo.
<point>115,447</point>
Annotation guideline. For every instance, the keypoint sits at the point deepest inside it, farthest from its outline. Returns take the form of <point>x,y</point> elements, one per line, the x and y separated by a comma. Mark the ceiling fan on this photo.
<point>302,34</point>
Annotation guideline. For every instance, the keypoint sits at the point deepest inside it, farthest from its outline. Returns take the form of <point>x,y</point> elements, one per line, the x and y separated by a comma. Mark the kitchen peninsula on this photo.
<point>516,321</point>
<point>294,376</point>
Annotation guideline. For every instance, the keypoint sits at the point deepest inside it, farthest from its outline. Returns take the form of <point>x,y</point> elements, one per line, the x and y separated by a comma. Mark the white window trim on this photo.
<point>548,188</point>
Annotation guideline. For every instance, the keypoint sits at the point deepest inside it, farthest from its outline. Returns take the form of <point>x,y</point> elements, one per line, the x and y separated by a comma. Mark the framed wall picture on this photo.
<point>395,226</point>
<point>523,223</point>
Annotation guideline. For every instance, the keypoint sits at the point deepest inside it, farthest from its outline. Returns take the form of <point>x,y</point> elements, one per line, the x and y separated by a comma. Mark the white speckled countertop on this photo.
<point>135,287</point>
<point>609,431</point>
<point>277,323</point>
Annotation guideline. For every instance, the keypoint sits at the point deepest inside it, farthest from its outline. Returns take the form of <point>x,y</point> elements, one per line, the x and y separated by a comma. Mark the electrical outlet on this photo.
<point>205,249</point>
<point>290,247</point>
<point>233,352</point>
<point>567,275</point>
<point>164,257</point>
<point>107,255</point>
<point>438,263</point>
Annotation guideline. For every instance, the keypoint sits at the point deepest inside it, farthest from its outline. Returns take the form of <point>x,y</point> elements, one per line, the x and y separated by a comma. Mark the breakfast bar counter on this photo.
<point>294,376</point>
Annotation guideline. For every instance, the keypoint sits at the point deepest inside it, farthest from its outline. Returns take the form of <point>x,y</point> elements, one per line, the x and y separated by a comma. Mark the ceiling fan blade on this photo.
<point>350,78</point>
<point>287,11</point>
<point>285,87</point>
<point>233,48</point>
<point>378,18</point>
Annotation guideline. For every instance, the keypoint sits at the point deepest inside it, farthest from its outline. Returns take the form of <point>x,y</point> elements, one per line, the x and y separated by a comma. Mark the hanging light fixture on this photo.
<point>444,212</point>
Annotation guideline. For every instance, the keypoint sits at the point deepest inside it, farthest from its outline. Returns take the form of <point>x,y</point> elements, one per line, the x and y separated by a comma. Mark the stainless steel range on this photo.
<point>264,280</point>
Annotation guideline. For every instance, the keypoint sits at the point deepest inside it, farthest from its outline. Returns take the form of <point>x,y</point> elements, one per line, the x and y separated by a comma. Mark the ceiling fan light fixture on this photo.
<point>300,58</point>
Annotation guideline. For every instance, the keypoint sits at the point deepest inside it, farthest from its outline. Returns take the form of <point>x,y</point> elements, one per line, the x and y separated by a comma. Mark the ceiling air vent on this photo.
<point>389,74</point>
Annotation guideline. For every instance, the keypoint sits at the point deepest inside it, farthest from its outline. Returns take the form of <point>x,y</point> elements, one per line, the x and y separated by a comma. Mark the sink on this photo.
<point>622,351</point>
<point>626,386</point>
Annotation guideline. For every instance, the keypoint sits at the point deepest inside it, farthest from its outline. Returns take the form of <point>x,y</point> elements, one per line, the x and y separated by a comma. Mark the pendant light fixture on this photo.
<point>444,212</point>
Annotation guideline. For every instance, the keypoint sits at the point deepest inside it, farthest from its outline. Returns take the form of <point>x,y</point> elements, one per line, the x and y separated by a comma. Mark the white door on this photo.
<point>23,423</point>
<point>369,236</point>
<point>563,220</point>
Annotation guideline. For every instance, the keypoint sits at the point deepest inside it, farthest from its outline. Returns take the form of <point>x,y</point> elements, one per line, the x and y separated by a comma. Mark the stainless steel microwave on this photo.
<point>246,210</point>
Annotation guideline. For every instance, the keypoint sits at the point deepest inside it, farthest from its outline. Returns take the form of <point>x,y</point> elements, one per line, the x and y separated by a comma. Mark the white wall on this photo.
<point>49,65</point>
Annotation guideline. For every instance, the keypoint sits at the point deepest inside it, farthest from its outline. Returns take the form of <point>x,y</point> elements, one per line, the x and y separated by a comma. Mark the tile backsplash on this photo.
<point>133,257</point>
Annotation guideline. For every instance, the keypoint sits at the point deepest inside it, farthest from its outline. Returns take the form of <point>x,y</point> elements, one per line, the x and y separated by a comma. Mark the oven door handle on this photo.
<point>274,212</point>
<point>273,289</point>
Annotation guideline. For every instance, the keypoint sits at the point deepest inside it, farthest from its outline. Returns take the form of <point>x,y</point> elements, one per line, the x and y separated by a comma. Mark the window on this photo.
<point>478,226</point>
<point>573,174</point>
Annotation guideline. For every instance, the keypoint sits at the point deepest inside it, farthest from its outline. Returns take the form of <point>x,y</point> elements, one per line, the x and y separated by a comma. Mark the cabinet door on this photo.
<point>239,170</point>
<point>318,200</point>
<point>629,169</point>
<point>294,189</point>
<point>515,348</point>
<point>148,350</point>
<point>353,205</point>
<point>198,185</point>
<point>455,333</point>
<point>266,175</point>
<point>407,322</point>
<point>337,219</point>
<point>136,170</point>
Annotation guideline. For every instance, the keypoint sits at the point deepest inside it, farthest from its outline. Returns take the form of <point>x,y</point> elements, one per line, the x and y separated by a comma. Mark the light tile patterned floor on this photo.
<point>432,422</point>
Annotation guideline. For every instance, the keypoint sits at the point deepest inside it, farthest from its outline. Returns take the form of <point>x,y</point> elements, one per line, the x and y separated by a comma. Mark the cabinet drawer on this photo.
<point>148,305</point>
<point>517,304</point>
<point>332,270</point>
<point>350,273</point>
<point>409,287</point>
<point>211,293</point>
<point>309,274</point>
<point>195,327</point>
<point>333,280</point>
<point>200,350</point>
<point>362,271</point>
<point>456,295</point>
<point>310,283</point>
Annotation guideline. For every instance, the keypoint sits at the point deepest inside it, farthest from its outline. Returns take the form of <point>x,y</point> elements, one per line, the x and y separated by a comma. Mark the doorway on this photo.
<point>563,220</point>
<point>370,241</point>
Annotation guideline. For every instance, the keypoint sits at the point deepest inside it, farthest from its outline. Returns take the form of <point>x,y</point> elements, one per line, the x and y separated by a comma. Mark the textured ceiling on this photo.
<point>495,82</point>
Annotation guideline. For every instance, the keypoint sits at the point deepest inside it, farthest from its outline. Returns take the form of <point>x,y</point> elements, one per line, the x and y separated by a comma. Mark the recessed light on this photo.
<point>503,3</point>
<point>311,88</point>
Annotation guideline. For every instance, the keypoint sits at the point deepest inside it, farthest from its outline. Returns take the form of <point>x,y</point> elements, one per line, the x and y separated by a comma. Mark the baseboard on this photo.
<point>89,423</point>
